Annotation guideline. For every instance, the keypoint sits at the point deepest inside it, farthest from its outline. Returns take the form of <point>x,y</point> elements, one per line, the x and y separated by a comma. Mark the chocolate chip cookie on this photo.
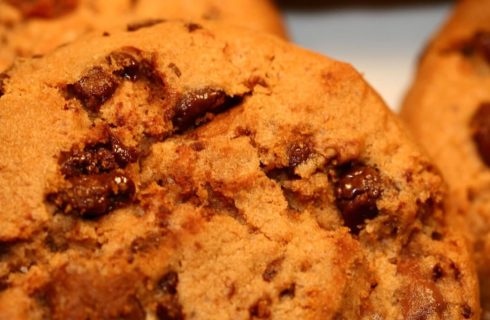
<point>448,110</point>
<point>198,171</point>
<point>35,27</point>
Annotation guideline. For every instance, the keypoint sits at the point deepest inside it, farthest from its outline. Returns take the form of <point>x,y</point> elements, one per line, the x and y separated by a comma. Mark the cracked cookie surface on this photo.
<point>205,172</point>
<point>35,27</point>
<point>448,110</point>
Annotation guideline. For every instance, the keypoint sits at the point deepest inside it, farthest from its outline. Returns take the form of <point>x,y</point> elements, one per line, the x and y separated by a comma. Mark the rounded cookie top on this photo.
<point>448,110</point>
<point>204,172</point>
<point>33,28</point>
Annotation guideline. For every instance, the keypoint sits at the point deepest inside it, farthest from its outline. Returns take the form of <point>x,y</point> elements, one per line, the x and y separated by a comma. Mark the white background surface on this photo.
<point>382,42</point>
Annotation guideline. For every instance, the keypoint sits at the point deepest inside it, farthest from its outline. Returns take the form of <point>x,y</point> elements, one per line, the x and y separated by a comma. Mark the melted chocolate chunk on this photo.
<point>261,309</point>
<point>272,269</point>
<point>46,9</point>
<point>356,192</point>
<point>127,64</point>
<point>168,283</point>
<point>3,77</point>
<point>97,158</point>
<point>93,89</point>
<point>95,195</point>
<point>195,104</point>
<point>480,126</point>
<point>143,24</point>
<point>299,152</point>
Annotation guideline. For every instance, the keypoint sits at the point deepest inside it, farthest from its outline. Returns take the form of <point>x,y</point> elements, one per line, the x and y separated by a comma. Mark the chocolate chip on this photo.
<point>437,272</point>
<point>218,202</point>
<point>5,248</point>
<point>261,308</point>
<point>253,81</point>
<point>288,292</point>
<point>232,291</point>
<point>4,283</point>
<point>3,77</point>
<point>299,152</point>
<point>95,195</point>
<point>175,69</point>
<point>356,192</point>
<point>169,311</point>
<point>148,72</point>
<point>191,27</point>
<point>466,311</point>
<point>480,127</point>
<point>169,307</point>
<point>133,311</point>
<point>168,282</point>
<point>272,269</point>
<point>56,244</point>
<point>130,64</point>
<point>243,132</point>
<point>97,158</point>
<point>143,24</point>
<point>481,44</point>
<point>437,236</point>
<point>456,271</point>
<point>145,244</point>
<point>93,89</point>
<point>46,9</point>
<point>198,146</point>
<point>195,104</point>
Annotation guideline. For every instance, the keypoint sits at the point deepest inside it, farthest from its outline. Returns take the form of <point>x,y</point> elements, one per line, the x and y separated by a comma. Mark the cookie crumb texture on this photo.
<point>170,173</point>
<point>448,110</point>
<point>35,27</point>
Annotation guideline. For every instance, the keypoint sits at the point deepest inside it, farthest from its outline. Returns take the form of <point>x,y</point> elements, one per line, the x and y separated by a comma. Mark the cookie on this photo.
<point>32,28</point>
<point>447,108</point>
<point>199,171</point>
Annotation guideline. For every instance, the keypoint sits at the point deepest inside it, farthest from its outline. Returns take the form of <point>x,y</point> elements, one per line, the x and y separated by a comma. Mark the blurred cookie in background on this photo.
<point>448,111</point>
<point>32,28</point>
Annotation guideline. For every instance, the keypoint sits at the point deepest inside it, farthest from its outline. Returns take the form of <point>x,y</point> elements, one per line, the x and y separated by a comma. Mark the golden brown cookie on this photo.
<point>448,110</point>
<point>198,171</point>
<point>35,27</point>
